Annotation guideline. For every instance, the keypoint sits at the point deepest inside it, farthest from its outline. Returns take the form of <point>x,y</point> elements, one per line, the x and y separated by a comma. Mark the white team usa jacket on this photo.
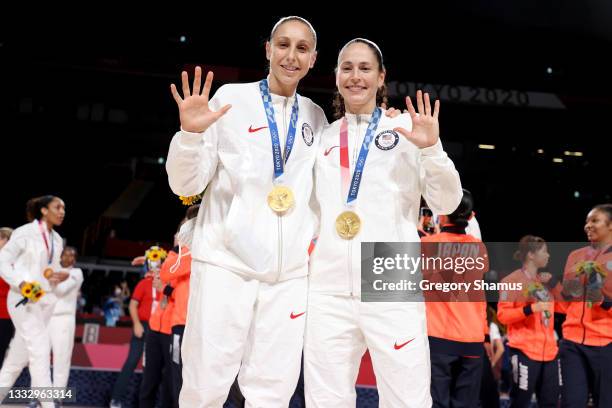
<point>395,176</point>
<point>67,292</point>
<point>25,257</point>
<point>235,229</point>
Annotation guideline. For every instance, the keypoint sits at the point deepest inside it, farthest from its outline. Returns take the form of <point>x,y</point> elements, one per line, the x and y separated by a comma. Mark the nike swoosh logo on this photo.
<point>295,316</point>
<point>328,151</point>
<point>397,347</point>
<point>251,130</point>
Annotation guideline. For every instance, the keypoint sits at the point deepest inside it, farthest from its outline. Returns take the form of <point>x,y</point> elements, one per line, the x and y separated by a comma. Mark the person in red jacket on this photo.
<point>457,321</point>
<point>586,348</point>
<point>529,316</point>
<point>156,373</point>
<point>143,298</point>
<point>176,270</point>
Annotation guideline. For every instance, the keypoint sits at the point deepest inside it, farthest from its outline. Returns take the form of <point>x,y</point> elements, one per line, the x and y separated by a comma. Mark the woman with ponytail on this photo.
<point>32,255</point>
<point>456,324</point>
<point>529,316</point>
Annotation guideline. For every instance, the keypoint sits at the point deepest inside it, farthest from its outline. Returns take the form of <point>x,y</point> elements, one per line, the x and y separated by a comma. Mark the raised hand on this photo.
<point>139,260</point>
<point>425,127</point>
<point>195,114</point>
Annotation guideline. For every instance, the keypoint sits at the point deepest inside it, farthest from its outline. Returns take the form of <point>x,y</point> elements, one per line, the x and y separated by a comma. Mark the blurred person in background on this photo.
<point>62,324</point>
<point>6,325</point>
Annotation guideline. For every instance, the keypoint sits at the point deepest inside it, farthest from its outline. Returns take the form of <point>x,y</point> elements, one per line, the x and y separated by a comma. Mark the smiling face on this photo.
<point>359,75</point>
<point>291,52</point>
<point>598,226</point>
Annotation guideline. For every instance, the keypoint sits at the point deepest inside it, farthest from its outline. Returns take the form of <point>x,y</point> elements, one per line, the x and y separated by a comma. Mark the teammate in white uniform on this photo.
<point>33,248</point>
<point>248,284</point>
<point>62,324</point>
<point>405,160</point>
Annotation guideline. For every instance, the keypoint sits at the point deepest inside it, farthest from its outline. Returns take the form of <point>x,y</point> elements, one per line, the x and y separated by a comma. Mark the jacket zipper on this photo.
<point>551,320</point>
<point>583,311</point>
<point>350,243</point>
<point>280,247</point>
<point>350,266</point>
<point>280,218</point>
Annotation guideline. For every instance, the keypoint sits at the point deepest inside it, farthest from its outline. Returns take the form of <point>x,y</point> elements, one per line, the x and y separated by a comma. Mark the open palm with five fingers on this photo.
<point>195,114</point>
<point>425,127</point>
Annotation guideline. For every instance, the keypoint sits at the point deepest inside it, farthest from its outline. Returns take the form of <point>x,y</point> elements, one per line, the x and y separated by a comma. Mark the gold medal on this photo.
<point>280,199</point>
<point>47,273</point>
<point>348,225</point>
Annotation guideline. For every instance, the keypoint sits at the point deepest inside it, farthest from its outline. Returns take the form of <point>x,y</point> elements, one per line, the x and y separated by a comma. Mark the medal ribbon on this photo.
<point>276,153</point>
<point>49,250</point>
<point>352,189</point>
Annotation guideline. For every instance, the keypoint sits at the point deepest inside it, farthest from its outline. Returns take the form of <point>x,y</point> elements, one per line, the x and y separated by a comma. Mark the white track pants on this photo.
<point>338,331</point>
<point>31,345</point>
<point>61,331</point>
<point>232,321</point>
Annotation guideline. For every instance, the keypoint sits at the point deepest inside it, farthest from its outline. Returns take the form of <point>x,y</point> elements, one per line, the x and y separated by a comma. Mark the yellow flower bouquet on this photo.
<point>155,256</point>
<point>191,200</point>
<point>594,275</point>
<point>31,292</point>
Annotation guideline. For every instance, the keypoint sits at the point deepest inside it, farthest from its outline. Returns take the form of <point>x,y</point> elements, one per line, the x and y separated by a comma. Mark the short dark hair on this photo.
<point>71,248</point>
<point>463,212</point>
<point>604,208</point>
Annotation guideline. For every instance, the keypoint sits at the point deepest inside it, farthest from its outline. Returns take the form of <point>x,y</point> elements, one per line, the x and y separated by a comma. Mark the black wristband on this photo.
<point>607,303</point>
<point>527,310</point>
<point>168,290</point>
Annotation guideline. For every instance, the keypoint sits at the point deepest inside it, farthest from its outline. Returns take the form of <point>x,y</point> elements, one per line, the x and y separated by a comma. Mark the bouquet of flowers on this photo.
<point>538,292</point>
<point>594,275</point>
<point>154,257</point>
<point>31,292</point>
<point>191,200</point>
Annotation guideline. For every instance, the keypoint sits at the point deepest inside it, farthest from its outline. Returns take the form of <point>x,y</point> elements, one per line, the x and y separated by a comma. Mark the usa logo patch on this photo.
<point>386,140</point>
<point>307,134</point>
